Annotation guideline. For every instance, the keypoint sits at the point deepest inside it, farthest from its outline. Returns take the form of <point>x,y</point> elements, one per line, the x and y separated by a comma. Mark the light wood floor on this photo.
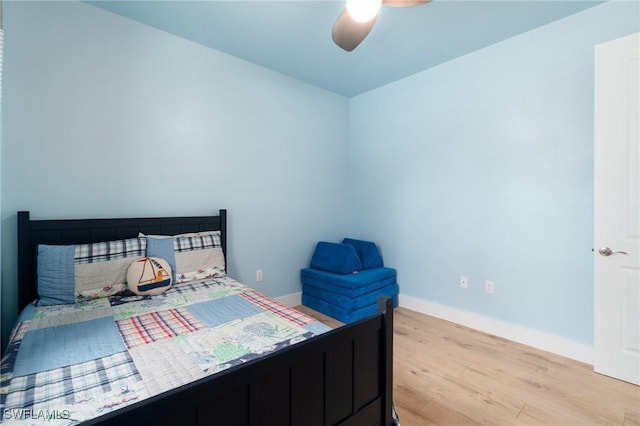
<point>447,374</point>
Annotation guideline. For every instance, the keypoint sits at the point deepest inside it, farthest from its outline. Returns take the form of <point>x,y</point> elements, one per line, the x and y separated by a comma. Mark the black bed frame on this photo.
<point>342,377</point>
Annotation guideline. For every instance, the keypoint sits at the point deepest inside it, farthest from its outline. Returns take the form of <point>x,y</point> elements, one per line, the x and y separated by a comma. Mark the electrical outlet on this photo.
<point>259,275</point>
<point>464,281</point>
<point>488,286</point>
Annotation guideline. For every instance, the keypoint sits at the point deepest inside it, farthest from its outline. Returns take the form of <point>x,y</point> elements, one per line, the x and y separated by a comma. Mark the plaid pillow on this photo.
<point>198,256</point>
<point>73,273</point>
<point>101,268</point>
<point>109,250</point>
<point>195,255</point>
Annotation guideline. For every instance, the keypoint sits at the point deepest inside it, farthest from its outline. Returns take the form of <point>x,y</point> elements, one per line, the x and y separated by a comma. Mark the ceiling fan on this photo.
<point>358,17</point>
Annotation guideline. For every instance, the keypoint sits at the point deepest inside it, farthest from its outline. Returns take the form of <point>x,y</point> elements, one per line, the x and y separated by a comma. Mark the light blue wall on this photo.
<point>107,117</point>
<point>483,167</point>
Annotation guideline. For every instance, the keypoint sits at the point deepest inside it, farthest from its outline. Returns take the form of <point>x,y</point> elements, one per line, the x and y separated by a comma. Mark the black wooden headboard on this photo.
<point>82,231</point>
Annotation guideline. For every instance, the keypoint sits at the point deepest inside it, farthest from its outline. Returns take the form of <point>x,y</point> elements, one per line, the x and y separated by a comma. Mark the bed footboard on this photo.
<point>343,377</point>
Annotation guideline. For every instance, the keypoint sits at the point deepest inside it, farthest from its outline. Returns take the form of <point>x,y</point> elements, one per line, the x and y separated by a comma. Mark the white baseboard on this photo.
<point>292,299</point>
<point>537,339</point>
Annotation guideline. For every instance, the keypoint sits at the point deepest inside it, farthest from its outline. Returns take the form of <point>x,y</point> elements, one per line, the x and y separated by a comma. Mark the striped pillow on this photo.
<point>195,256</point>
<point>74,273</point>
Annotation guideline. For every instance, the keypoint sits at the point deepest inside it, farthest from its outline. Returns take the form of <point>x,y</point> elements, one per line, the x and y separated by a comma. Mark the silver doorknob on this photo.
<point>606,251</point>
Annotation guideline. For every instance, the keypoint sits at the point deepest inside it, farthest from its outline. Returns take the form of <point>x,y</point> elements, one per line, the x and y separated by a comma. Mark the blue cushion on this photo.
<point>367,251</point>
<point>347,302</point>
<point>336,258</point>
<point>370,279</point>
<point>163,248</point>
<point>339,313</point>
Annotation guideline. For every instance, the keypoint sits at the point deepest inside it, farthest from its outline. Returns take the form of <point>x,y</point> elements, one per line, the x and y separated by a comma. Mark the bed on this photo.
<point>249,359</point>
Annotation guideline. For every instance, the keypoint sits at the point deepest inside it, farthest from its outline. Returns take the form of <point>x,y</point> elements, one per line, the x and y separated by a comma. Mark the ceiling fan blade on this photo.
<point>404,3</point>
<point>348,33</point>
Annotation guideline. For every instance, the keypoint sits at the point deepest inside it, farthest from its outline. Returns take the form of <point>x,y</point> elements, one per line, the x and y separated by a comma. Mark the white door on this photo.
<point>617,209</point>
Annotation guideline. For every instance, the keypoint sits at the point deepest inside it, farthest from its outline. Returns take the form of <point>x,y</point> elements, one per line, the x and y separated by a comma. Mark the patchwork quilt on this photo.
<point>69,363</point>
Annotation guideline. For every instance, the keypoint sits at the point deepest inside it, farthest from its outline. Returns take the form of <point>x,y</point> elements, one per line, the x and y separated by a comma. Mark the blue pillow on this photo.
<point>56,275</point>
<point>163,248</point>
<point>367,252</point>
<point>336,258</point>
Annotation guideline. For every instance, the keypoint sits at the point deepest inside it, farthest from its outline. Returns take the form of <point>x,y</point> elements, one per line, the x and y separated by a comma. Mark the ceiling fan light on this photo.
<point>363,10</point>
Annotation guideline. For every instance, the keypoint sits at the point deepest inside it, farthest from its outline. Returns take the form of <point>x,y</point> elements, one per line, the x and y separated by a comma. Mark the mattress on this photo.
<point>355,284</point>
<point>69,363</point>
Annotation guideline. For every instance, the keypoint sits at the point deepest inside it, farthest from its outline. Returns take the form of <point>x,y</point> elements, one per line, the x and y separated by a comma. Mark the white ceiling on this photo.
<point>294,37</point>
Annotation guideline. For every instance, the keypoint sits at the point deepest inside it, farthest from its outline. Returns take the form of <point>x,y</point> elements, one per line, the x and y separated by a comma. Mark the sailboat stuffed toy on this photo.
<point>149,276</point>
